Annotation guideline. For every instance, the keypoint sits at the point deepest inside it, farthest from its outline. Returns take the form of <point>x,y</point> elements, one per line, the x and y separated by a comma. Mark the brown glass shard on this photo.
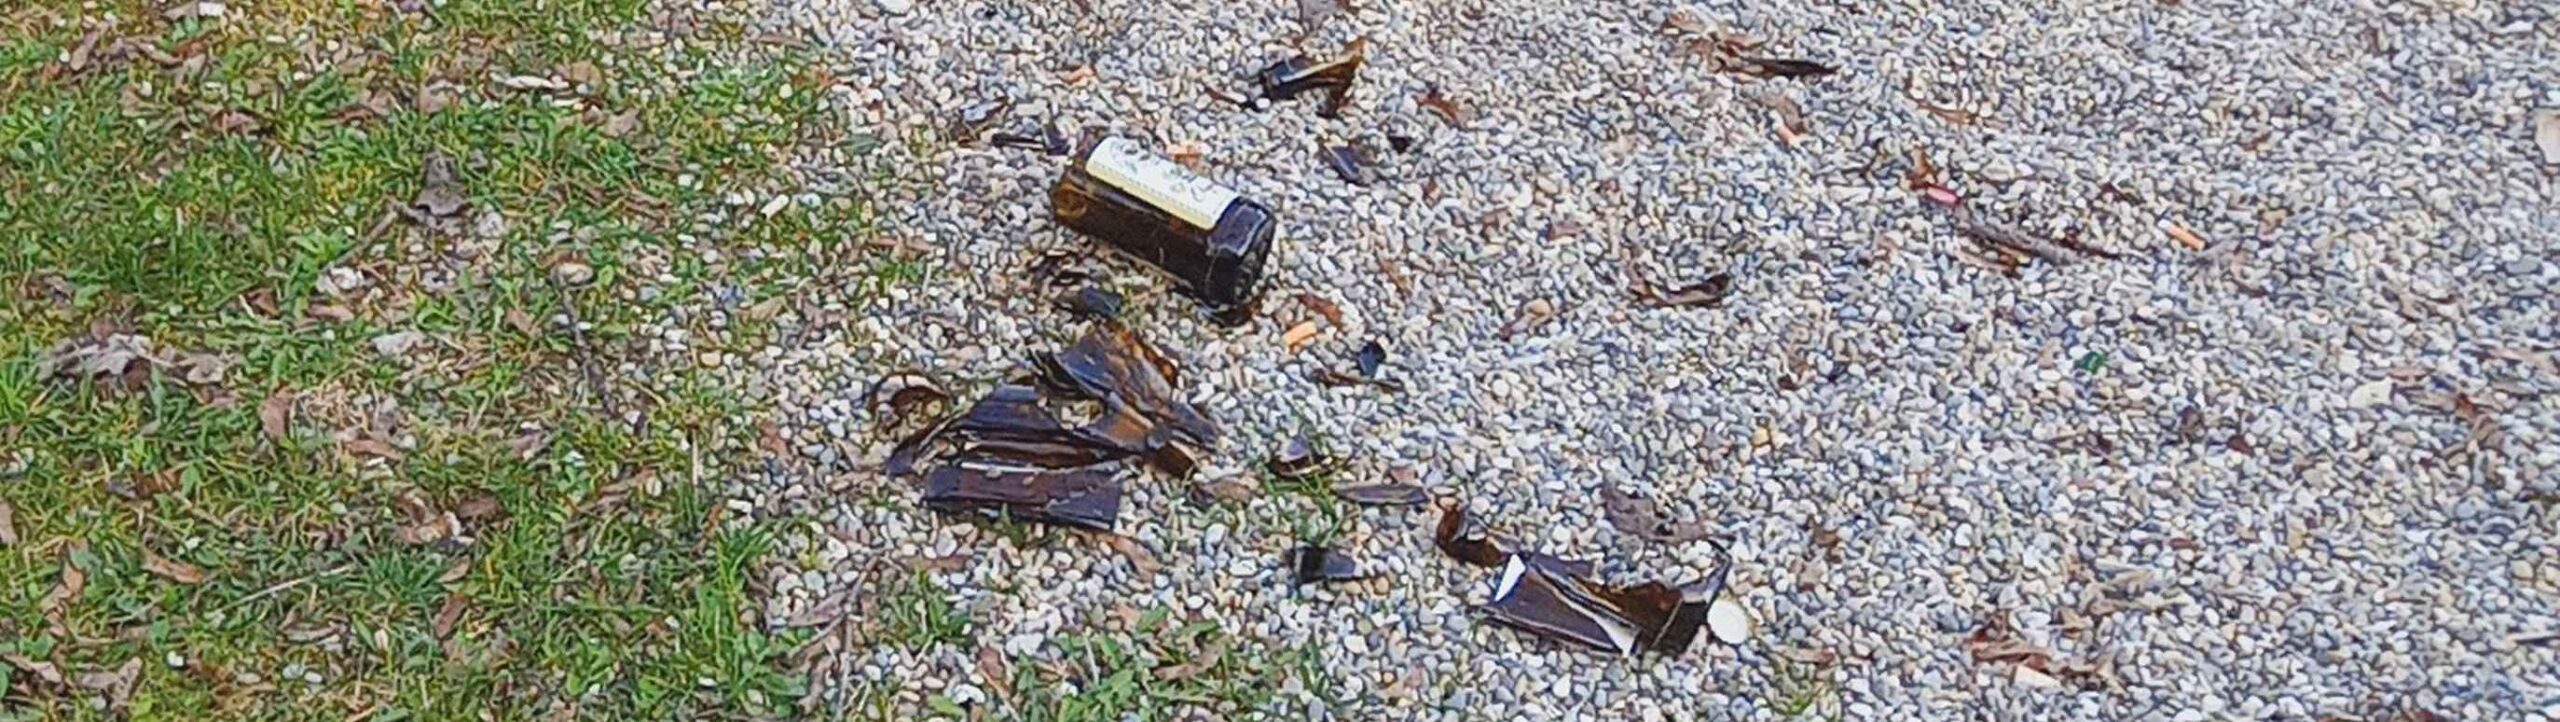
<point>1466,539</point>
<point>1114,365</point>
<point>1782,67</point>
<point>1288,78</point>
<point>1297,459</point>
<point>1372,355</point>
<point>1093,302</point>
<point>1351,164</point>
<point>1384,494</point>
<point>1449,109</point>
<point>1557,599</point>
<point>903,458</point>
<point>1088,498</point>
<point>1709,292</point>
<point>1312,564</point>
<point>901,397</point>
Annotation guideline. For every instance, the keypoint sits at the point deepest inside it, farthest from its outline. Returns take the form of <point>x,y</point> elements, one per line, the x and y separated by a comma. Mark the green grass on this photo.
<point>606,580</point>
<point>1105,677</point>
<point>917,613</point>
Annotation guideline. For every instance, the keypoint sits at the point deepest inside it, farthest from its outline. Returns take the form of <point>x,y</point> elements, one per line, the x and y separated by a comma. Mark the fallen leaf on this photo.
<point>1449,109</point>
<point>70,585</point>
<point>1299,336</point>
<point>449,614</point>
<point>368,446</point>
<point>621,124</point>
<point>2184,237</point>
<point>994,670</point>
<point>171,569</point>
<point>1332,314</point>
<point>434,98</point>
<point>399,344</point>
<point>1139,558</point>
<point>434,528</point>
<point>117,685</point>
<point>42,671</point>
<point>1707,292</point>
<point>275,415</point>
<point>529,443</point>
<point>2370,394</point>
<point>8,524</point>
<point>439,187</point>
<point>1532,314</point>
<point>523,323</point>
<point>234,122</point>
<point>329,313</point>
<point>582,73</point>
<point>204,369</point>
<point>1207,658</point>
<point>2546,133</point>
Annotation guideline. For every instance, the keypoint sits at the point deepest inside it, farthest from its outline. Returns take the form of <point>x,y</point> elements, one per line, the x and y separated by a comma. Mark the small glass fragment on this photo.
<point>900,397</point>
<point>1286,79</point>
<point>1351,164</point>
<point>1783,67</point>
<point>1093,302</point>
<point>1449,109</point>
<point>1401,143</point>
<point>1209,239</point>
<point>1633,516</point>
<point>1087,498</point>
<point>1298,459</point>
<point>1384,494</point>
<point>1372,355</point>
<point>1464,538</point>
<point>1553,598</point>
<point>1312,564</point>
<point>970,122</point>
<point>1709,292</point>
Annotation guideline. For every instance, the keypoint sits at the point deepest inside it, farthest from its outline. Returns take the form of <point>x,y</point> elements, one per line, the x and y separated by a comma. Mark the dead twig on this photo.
<point>586,355</point>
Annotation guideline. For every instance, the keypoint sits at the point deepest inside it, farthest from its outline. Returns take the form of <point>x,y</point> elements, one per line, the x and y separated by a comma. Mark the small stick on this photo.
<point>586,356</point>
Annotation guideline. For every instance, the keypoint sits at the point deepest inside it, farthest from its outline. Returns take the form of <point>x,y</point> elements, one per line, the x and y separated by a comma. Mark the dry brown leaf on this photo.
<point>117,686</point>
<point>621,124</point>
<point>994,669</point>
<point>1297,337</point>
<point>369,446</point>
<point>529,443</point>
<point>68,588</point>
<point>8,524</point>
<point>1332,314</point>
<point>2185,237</point>
<point>1450,110</point>
<point>1206,659</point>
<point>275,415</point>
<point>523,323</point>
<point>455,572</point>
<point>451,613</point>
<point>328,313</point>
<point>1958,116</point>
<point>1139,558</point>
<point>43,672</point>
<point>172,569</point>
<point>2546,133</point>
<point>1079,76</point>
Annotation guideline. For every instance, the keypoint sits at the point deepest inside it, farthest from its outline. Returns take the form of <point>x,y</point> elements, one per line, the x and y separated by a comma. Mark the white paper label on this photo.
<point>1159,181</point>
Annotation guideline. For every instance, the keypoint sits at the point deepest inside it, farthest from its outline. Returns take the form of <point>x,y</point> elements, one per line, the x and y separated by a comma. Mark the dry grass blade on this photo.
<point>1332,314</point>
<point>171,569</point>
<point>1139,558</point>
<point>8,524</point>
<point>1201,662</point>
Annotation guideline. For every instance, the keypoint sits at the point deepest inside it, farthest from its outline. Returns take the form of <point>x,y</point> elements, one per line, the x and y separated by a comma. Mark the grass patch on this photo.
<point>440,533</point>
<point>1159,671</point>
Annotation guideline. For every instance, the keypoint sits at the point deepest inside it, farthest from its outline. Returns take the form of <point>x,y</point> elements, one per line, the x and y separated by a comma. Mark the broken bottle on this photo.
<point>1209,238</point>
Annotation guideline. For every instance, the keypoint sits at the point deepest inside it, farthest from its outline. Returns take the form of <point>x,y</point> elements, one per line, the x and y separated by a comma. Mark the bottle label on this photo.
<point>1159,181</point>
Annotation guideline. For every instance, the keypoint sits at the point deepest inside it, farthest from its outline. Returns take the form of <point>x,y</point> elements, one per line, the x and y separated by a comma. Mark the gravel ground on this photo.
<point>2306,470</point>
